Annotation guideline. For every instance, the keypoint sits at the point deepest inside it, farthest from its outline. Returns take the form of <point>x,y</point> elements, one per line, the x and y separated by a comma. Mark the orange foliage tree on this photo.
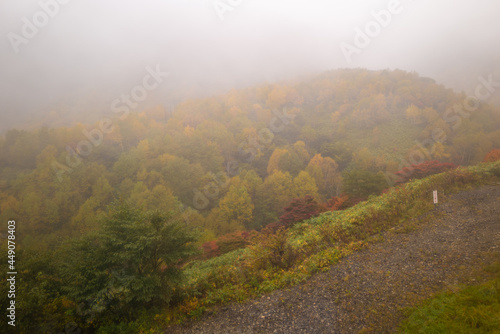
<point>492,156</point>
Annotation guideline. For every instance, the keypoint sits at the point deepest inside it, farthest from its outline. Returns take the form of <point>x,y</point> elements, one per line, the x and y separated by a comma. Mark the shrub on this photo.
<point>336,203</point>
<point>492,156</point>
<point>272,250</point>
<point>227,243</point>
<point>233,241</point>
<point>424,169</point>
<point>300,209</point>
<point>272,228</point>
<point>210,249</point>
<point>362,183</point>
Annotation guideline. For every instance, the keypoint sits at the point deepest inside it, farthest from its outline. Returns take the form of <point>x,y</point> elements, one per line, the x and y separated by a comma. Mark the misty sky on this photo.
<point>91,51</point>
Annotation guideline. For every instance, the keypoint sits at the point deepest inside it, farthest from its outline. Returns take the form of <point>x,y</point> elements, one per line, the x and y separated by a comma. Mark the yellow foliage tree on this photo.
<point>304,185</point>
<point>274,160</point>
<point>236,207</point>
<point>276,98</point>
<point>414,114</point>
<point>324,172</point>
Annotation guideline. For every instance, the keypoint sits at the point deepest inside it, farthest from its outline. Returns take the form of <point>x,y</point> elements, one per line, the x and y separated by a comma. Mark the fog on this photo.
<point>86,53</point>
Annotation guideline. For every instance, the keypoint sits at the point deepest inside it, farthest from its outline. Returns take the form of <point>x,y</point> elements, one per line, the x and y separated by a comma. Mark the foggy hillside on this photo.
<point>80,56</point>
<point>161,159</point>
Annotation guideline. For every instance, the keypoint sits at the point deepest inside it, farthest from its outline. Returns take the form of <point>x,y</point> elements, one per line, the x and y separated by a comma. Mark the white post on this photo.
<point>435,196</point>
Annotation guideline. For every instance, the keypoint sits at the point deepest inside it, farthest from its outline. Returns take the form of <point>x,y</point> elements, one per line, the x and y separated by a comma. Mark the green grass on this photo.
<point>474,309</point>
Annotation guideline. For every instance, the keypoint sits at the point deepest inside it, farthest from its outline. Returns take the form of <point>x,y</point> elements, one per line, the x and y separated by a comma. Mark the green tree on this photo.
<point>251,180</point>
<point>159,198</point>
<point>237,207</point>
<point>132,261</point>
<point>218,223</point>
<point>182,177</point>
<point>300,148</point>
<point>363,159</point>
<point>272,196</point>
<point>362,183</point>
<point>338,151</point>
<point>84,220</point>
<point>290,162</point>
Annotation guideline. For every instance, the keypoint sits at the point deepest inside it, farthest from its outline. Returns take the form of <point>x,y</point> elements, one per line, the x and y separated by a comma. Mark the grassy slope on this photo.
<point>474,309</point>
<point>313,245</point>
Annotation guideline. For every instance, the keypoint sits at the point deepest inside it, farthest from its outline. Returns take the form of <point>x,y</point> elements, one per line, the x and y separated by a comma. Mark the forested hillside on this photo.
<point>233,162</point>
<point>101,209</point>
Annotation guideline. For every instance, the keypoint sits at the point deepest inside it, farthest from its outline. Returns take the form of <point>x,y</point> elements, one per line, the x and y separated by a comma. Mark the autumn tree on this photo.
<point>414,114</point>
<point>336,203</point>
<point>300,148</point>
<point>210,249</point>
<point>362,183</point>
<point>9,206</point>
<point>272,196</point>
<point>237,206</point>
<point>340,152</point>
<point>430,115</point>
<point>324,171</point>
<point>305,185</point>
<point>418,171</point>
<point>218,223</point>
<point>492,156</point>
<point>20,149</point>
<point>276,98</point>
<point>298,210</point>
<point>363,159</point>
<point>102,195</point>
<point>274,160</point>
<point>251,180</point>
<point>470,144</point>
<point>158,198</point>
<point>182,177</point>
<point>291,162</point>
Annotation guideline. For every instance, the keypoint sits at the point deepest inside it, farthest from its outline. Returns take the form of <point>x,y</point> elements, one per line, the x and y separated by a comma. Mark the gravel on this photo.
<point>368,291</point>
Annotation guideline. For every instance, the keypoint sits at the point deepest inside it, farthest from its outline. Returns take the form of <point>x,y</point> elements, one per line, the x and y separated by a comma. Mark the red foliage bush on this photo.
<point>210,249</point>
<point>492,156</point>
<point>230,242</point>
<point>300,209</point>
<point>424,169</point>
<point>227,243</point>
<point>336,203</point>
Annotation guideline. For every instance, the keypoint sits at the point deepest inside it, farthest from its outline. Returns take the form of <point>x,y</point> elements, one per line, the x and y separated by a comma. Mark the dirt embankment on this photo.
<point>367,291</point>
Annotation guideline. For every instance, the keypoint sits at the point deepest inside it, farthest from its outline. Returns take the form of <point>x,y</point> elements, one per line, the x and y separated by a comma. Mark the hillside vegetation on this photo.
<point>452,245</point>
<point>266,177</point>
<point>233,162</point>
<point>290,256</point>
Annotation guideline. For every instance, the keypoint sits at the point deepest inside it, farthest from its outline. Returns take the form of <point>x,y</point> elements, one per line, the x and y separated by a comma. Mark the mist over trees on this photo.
<point>234,161</point>
<point>123,207</point>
